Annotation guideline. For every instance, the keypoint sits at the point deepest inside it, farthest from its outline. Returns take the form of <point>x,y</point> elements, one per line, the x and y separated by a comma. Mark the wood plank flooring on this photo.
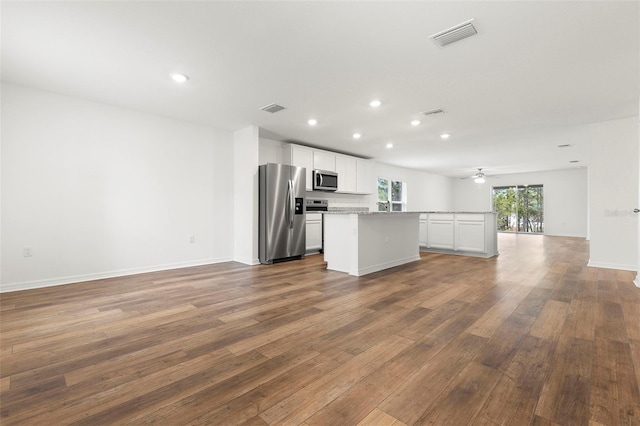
<point>528,338</point>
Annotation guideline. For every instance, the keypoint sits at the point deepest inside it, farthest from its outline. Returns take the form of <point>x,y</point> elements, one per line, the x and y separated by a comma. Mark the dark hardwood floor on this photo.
<point>532,337</point>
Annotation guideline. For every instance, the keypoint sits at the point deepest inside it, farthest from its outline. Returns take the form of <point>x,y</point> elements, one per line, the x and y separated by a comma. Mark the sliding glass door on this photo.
<point>519,208</point>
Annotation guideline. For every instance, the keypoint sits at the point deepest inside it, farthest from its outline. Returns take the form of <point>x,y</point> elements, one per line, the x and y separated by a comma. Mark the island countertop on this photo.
<point>359,212</point>
<point>405,212</point>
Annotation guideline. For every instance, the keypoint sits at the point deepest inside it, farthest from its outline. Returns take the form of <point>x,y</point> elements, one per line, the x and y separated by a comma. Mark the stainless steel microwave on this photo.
<point>324,180</point>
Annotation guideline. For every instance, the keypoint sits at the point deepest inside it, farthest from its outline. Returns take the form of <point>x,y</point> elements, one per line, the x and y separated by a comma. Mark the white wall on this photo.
<point>100,191</point>
<point>565,198</point>
<point>271,151</point>
<point>425,191</point>
<point>613,194</point>
<point>245,195</point>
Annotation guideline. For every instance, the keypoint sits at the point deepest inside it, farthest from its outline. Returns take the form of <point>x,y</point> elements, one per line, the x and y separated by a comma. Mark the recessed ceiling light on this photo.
<point>415,122</point>
<point>445,136</point>
<point>389,145</point>
<point>179,78</point>
<point>375,103</point>
<point>312,122</point>
<point>357,135</point>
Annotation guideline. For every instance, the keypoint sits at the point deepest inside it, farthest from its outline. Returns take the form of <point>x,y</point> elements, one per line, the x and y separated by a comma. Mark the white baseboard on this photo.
<point>50,282</point>
<point>605,265</point>
<point>247,261</point>
<point>379,267</point>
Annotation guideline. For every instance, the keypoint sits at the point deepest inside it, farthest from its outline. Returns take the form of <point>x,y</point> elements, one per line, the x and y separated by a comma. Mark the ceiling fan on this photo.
<point>478,177</point>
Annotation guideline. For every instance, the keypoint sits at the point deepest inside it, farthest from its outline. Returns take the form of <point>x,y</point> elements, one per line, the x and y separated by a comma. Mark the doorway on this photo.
<point>519,208</point>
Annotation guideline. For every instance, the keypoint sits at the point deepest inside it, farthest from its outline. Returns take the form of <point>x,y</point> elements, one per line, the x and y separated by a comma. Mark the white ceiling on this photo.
<point>529,81</point>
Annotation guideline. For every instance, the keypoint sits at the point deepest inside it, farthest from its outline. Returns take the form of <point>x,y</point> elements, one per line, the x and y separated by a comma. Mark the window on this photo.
<point>519,208</point>
<point>392,195</point>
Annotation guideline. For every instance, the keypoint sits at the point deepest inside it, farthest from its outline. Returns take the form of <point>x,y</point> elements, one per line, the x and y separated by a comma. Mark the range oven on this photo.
<point>314,206</point>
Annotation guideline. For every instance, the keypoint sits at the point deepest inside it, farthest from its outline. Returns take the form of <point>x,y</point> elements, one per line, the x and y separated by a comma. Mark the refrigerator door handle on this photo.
<point>292,205</point>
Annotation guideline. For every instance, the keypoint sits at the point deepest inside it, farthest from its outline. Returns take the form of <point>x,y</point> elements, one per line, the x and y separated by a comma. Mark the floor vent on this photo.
<point>453,34</point>
<point>272,108</point>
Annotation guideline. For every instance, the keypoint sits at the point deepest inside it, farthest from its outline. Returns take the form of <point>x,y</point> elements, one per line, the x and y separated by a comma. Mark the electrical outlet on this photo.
<point>192,239</point>
<point>27,252</point>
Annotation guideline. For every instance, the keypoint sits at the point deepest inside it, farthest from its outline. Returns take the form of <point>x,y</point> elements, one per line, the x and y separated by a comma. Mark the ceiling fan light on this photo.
<point>179,78</point>
<point>479,179</point>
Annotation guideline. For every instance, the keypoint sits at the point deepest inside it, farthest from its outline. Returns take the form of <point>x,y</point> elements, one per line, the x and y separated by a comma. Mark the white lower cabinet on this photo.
<point>473,234</point>
<point>440,234</point>
<point>314,232</point>
<point>469,233</point>
<point>423,230</point>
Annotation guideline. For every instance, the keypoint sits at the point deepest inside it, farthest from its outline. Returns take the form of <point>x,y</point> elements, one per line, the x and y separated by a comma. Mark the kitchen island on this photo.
<point>360,243</point>
<point>365,242</point>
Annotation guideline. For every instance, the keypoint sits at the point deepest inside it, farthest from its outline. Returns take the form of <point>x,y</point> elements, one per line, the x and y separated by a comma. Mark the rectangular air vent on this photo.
<point>272,108</point>
<point>453,34</point>
<point>433,112</point>
<point>564,145</point>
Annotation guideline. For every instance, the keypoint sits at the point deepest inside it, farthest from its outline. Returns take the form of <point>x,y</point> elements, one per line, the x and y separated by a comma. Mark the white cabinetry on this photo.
<point>347,173</point>
<point>314,232</point>
<point>469,233</point>
<point>472,234</point>
<point>440,231</point>
<point>323,160</point>
<point>364,176</point>
<point>300,156</point>
<point>422,239</point>
<point>355,175</point>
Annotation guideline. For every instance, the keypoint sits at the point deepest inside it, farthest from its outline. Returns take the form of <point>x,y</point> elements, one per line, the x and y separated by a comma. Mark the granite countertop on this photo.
<point>459,212</point>
<point>364,212</point>
<point>361,211</point>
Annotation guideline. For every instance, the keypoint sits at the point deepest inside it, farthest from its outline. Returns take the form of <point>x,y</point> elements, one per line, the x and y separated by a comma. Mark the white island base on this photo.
<point>362,243</point>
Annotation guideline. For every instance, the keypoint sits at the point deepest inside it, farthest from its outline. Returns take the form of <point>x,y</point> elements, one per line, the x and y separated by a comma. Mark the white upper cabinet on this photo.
<point>301,156</point>
<point>346,167</point>
<point>355,175</point>
<point>323,160</point>
<point>364,176</point>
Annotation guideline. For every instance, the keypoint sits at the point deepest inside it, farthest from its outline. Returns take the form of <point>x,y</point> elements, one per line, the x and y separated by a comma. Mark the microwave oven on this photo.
<point>324,180</point>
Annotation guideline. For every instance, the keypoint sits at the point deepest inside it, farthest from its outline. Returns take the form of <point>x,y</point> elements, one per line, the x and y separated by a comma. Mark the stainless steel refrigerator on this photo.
<point>282,212</point>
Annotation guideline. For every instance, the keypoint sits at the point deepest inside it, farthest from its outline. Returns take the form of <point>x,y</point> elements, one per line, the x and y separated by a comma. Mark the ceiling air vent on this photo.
<point>433,112</point>
<point>453,34</point>
<point>564,145</point>
<point>272,108</point>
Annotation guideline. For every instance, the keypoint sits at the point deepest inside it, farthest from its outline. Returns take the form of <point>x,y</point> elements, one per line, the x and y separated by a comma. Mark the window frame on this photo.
<point>389,202</point>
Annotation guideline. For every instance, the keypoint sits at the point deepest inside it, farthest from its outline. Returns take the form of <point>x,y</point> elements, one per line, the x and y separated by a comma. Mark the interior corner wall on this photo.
<point>245,200</point>
<point>425,191</point>
<point>97,191</point>
<point>613,194</point>
<point>565,198</point>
